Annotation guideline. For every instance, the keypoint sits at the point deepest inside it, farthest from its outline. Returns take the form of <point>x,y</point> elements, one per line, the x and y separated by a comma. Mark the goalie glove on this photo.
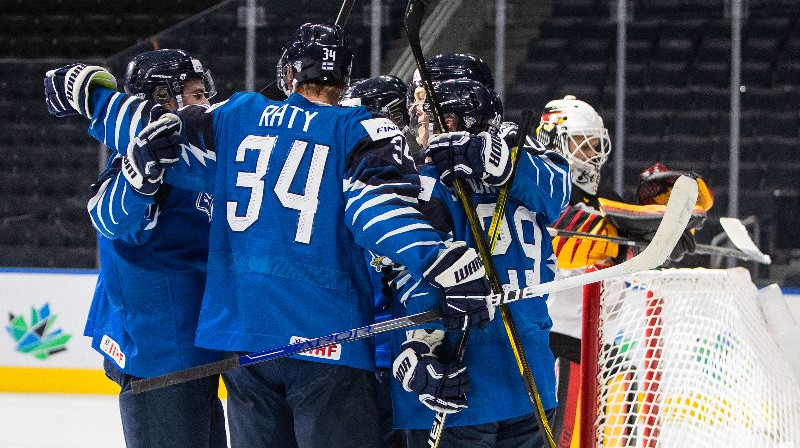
<point>66,89</point>
<point>460,273</point>
<point>156,147</point>
<point>462,155</point>
<point>441,387</point>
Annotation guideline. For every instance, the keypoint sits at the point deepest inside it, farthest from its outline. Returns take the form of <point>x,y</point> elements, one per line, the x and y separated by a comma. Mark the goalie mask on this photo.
<point>162,74</point>
<point>575,130</point>
<point>316,52</point>
<point>385,93</point>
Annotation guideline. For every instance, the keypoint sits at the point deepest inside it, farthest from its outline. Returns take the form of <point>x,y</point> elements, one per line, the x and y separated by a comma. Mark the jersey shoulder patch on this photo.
<point>380,128</point>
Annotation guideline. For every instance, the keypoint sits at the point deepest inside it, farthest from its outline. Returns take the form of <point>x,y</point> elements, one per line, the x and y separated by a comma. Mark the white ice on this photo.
<point>60,421</point>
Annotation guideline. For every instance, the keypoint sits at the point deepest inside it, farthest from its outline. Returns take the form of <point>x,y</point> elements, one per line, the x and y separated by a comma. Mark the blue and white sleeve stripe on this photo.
<point>543,184</point>
<point>116,210</point>
<point>119,117</point>
<point>381,209</point>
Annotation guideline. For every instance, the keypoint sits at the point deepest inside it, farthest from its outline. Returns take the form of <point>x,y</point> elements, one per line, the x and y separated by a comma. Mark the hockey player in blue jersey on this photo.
<point>153,246</point>
<point>386,94</point>
<point>286,262</point>
<point>498,412</point>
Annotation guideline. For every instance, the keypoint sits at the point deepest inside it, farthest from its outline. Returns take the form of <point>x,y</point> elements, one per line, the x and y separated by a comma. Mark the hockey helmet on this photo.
<point>385,93</point>
<point>443,67</point>
<point>316,52</point>
<point>160,74</point>
<point>575,130</point>
<point>469,105</point>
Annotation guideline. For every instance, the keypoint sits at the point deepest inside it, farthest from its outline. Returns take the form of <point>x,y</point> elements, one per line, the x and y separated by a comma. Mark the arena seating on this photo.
<point>43,219</point>
<point>678,78</point>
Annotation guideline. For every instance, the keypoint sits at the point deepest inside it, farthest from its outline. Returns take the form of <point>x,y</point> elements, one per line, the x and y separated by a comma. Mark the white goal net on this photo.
<point>686,360</point>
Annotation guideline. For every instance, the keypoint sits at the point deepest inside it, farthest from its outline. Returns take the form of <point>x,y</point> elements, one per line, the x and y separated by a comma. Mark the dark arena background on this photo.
<point>677,86</point>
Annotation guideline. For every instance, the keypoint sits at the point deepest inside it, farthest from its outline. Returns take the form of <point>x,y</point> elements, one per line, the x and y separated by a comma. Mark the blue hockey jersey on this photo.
<point>523,256</point>
<point>301,188</point>
<point>153,252</point>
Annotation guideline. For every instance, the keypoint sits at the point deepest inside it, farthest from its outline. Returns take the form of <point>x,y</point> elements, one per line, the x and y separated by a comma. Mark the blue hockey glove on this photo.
<point>156,147</point>
<point>66,89</point>
<point>460,273</point>
<point>441,387</point>
<point>462,155</point>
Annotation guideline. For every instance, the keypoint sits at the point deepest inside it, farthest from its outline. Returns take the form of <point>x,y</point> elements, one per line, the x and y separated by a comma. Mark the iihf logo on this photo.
<point>205,203</point>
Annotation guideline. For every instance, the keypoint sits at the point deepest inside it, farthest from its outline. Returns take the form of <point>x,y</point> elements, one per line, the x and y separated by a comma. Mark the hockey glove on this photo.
<point>462,155</point>
<point>686,245</point>
<point>66,89</point>
<point>460,273</point>
<point>156,147</point>
<point>441,387</point>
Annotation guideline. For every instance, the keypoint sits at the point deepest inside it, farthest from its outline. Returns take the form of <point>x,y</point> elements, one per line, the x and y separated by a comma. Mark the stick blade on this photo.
<point>676,217</point>
<point>737,234</point>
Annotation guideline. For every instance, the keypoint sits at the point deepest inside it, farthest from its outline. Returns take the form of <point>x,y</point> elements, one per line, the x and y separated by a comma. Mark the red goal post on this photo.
<point>683,357</point>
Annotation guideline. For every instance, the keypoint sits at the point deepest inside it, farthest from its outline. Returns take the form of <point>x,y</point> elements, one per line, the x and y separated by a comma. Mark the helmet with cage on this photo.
<point>574,129</point>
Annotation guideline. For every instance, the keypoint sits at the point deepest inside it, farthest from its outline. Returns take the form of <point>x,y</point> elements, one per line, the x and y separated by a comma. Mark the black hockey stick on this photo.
<point>415,11</point>
<point>525,126</point>
<point>676,216</point>
<point>271,91</point>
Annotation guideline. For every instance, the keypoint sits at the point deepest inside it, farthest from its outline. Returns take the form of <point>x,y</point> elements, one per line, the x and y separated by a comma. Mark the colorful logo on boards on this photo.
<point>40,337</point>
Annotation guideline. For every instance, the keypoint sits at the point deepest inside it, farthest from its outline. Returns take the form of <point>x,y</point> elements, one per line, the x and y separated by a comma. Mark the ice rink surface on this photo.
<point>60,421</point>
<point>66,421</point>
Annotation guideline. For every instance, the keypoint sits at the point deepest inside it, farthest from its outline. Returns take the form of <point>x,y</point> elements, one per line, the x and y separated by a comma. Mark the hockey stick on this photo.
<point>679,208</point>
<point>700,249</point>
<point>271,90</point>
<point>415,11</point>
<point>737,234</point>
<point>526,124</point>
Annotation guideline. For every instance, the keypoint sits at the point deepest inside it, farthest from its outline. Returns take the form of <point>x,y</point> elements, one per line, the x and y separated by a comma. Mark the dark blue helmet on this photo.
<point>385,93</point>
<point>318,53</point>
<point>471,105</point>
<point>460,65</point>
<point>160,74</point>
<point>447,66</point>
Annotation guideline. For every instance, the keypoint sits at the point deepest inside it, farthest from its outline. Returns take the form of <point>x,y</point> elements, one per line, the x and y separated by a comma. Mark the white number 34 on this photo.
<point>305,203</point>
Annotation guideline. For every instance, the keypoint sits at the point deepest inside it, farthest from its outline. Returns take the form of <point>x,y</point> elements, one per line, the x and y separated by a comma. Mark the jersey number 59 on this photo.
<point>305,203</point>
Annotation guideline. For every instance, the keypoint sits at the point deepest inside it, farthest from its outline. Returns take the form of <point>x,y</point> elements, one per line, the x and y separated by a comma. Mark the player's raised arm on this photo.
<point>542,181</point>
<point>382,191</point>
<point>156,82</point>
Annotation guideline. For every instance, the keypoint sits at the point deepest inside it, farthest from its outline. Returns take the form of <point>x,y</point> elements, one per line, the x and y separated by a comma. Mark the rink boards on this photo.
<point>42,347</point>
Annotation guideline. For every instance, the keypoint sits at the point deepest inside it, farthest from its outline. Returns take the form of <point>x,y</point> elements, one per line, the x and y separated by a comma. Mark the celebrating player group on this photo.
<point>235,227</point>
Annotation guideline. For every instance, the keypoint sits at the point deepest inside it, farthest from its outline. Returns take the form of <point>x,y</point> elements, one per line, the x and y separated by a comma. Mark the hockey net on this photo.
<point>683,357</point>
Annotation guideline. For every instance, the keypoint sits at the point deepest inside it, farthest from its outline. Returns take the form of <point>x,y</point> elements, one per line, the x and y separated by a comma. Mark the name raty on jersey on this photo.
<point>296,185</point>
<point>523,256</point>
<point>300,190</point>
